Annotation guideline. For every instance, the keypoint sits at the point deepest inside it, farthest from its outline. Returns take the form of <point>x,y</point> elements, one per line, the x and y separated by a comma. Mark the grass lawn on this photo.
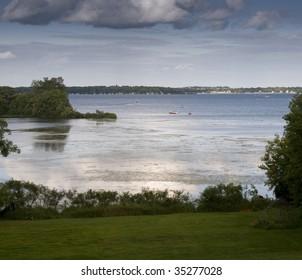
<point>178,236</point>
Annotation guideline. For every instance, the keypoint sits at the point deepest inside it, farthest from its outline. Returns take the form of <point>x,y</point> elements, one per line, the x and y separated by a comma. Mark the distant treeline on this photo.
<point>170,90</point>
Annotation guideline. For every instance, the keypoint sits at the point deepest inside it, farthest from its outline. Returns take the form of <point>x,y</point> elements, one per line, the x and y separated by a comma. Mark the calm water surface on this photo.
<point>211,139</point>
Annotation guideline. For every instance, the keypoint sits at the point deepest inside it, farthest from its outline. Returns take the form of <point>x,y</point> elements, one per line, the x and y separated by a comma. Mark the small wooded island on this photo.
<point>48,98</point>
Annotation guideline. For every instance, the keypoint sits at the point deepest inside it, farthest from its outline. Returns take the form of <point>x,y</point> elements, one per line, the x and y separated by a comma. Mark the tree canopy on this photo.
<point>7,94</point>
<point>282,160</point>
<point>48,98</point>
<point>6,146</point>
<point>40,86</point>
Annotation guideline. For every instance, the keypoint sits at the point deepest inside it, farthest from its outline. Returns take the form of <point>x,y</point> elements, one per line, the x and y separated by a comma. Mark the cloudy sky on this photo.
<point>152,42</point>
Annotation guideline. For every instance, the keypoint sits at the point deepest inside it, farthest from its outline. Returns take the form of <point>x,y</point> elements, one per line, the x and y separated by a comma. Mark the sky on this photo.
<point>175,43</point>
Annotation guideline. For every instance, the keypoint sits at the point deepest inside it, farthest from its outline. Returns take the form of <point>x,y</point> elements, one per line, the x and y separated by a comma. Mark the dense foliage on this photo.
<point>7,94</point>
<point>6,146</point>
<point>47,98</point>
<point>230,198</point>
<point>282,161</point>
<point>26,200</point>
<point>279,215</point>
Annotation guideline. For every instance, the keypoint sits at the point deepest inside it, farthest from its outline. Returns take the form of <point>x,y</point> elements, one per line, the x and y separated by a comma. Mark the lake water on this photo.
<point>212,139</point>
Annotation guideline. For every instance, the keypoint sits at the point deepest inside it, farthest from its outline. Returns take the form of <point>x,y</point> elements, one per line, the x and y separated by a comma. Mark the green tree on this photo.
<point>40,86</point>
<point>276,162</point>
<point>6,146</point>
<point>282,160</point>
<point>7,94</point>
<point>48,98</point>
<point>51,104</point>
<point>221,198</point>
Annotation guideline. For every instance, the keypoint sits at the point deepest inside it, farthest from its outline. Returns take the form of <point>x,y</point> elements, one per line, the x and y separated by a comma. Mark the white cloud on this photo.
<point>264,20</point>
<point>7,55</point>
<point>184,66</point>
<point>55,60</point>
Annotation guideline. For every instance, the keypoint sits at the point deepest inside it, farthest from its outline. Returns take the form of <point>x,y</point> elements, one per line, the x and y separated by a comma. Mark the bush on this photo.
<point>30,213</point>
<point>279,215</point>
<point>82,212</point>
<point>253,200</point>
<point>227,198</point>
<point>18,196</point>
<point>26,200</point>
<point>158,198</point>
<point>97,115</point>
<point>259,203</point>
<point>230,198</point>
<point>121,210</point>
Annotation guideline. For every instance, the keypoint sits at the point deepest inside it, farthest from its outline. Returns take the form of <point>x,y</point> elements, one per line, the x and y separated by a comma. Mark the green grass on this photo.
<point>178,236</point>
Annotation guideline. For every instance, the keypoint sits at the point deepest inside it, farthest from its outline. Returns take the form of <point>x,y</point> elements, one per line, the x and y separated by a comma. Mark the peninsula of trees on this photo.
<point>47,98</point>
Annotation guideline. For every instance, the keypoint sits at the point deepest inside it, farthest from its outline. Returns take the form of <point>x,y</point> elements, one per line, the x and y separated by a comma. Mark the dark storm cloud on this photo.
<point>36,12</point>
<point>191,5</point>
<point>99,13</point>
<point>119,14</point>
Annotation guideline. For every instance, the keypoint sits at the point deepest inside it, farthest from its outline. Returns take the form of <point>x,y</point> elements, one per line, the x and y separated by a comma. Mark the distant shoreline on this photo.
<point>185,93</point>
<point>169,90</point>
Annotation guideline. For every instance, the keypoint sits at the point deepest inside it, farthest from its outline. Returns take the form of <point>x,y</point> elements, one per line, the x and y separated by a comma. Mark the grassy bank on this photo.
<point>176,236</point>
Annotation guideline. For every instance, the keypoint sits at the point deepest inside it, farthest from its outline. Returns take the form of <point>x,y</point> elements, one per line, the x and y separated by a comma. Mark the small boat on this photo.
<point>173,113</point>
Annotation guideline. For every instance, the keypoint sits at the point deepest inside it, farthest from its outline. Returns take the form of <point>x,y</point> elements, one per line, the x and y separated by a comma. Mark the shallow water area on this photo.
<point>209,139</point>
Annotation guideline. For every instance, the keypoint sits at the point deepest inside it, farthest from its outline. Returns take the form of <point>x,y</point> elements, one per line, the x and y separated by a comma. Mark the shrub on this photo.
<point>26,200</point>
<point>221,198</point>
<point>20,195</point>
<point>82,212</point>
<point>279,215</point>
<point>254,201</point>
<point>259,203</point>
<point>97,115</point>
<point>30,213</point>
<point>92,198</point>
<point>162,198</point>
